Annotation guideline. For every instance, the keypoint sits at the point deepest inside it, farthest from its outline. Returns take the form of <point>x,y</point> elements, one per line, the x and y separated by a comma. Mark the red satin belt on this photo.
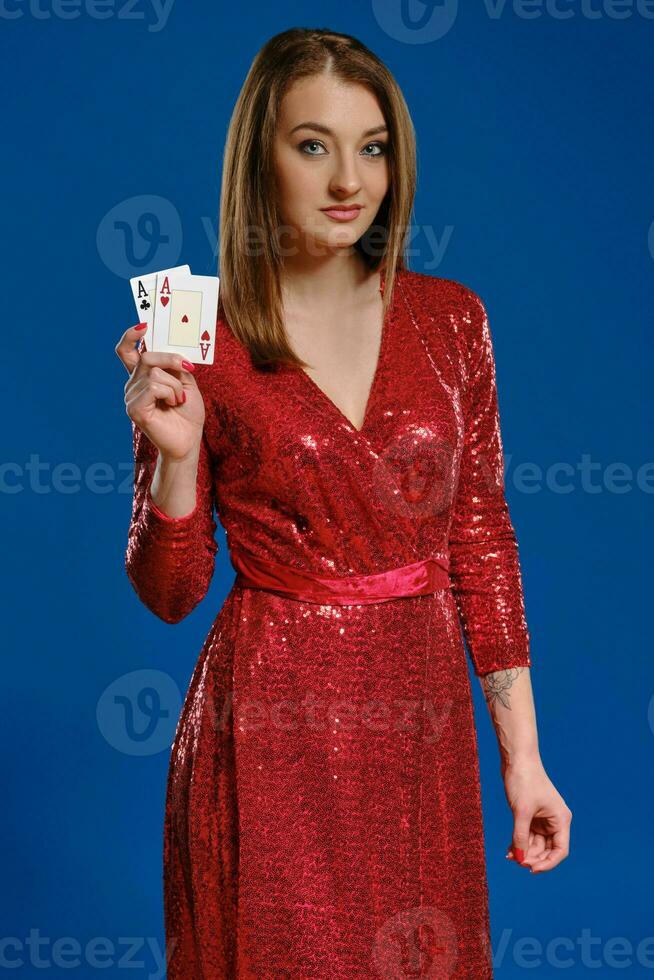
<point>419,578</point>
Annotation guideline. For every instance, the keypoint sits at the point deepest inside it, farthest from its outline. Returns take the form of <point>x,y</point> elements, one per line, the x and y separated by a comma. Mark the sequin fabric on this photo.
<point>323,816</point>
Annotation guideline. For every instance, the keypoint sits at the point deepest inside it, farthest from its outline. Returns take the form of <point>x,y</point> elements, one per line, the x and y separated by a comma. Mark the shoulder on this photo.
<point>449,305</point>
<point>445,294</point>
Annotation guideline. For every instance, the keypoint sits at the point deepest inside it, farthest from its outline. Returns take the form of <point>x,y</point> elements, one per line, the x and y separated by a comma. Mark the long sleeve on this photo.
<point>169,560</point>
<point>484,562</point>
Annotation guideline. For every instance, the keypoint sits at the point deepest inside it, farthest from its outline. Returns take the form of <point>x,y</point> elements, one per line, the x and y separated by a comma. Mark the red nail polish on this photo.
<point>519,855</point>
<point>188,366</point>
<point>140,326</point>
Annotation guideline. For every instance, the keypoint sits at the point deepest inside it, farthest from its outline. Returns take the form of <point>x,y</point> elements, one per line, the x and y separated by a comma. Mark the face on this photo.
<point>331,149</point>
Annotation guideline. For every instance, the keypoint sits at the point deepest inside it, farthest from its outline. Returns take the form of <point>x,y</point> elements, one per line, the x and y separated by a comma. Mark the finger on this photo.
<point>147,396</point>
<point>539,844</point>
<point>521,830</point>
<point>166,378</point>
<point>125,348</point>
<point>138,385</point>
<point>557,852</point>
<point>530,852</point>
<point>537,849</point>
<point>174,362</point>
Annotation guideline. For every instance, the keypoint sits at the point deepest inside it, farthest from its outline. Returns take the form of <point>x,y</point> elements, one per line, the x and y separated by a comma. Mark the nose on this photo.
<point>345,178</point>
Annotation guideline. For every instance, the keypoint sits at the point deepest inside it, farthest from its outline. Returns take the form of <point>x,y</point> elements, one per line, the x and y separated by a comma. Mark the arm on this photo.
<point>487,586</point>
<point>170,559</point>
<point>484,563</point>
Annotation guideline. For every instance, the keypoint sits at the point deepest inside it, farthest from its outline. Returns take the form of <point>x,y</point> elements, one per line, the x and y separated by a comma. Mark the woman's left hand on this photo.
<point>541,829</point>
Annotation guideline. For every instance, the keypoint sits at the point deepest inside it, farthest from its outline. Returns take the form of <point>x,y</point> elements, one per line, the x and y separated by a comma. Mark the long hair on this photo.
<point>250,259</point>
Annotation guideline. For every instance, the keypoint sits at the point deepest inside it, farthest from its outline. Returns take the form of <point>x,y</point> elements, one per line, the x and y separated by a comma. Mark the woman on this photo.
<point>323,814</point>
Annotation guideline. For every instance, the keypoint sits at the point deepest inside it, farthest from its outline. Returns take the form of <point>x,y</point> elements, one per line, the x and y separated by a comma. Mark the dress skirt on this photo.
<point>323,811</point>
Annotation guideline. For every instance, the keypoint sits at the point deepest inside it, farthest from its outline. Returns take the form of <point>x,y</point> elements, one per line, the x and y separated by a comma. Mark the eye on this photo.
<point>306,143</point>
<point>380,146</point>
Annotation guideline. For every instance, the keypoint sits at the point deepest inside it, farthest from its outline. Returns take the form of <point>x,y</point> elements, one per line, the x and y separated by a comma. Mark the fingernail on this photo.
<point>519,855</point>
<point>141,326</point>
<point>188,366</point>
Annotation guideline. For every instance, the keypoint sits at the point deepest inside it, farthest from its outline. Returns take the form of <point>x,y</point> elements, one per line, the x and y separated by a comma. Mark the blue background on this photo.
<point>535,174</point>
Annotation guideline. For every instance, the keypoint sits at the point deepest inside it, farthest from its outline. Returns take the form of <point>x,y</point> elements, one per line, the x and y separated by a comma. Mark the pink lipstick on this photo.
<point>343,212</point>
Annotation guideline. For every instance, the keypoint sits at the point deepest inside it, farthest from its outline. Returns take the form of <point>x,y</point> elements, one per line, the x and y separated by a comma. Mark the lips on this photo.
<point>342,213</point>
<point>344,208</point>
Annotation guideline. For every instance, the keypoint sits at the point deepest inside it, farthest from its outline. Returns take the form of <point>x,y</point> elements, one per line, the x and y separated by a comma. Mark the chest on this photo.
<point>279,432</point>
<point>342,353</point>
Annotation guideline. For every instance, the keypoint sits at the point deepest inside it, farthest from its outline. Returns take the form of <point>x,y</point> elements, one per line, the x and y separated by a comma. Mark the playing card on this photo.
<point>185,315</point>
<point>144,290</point>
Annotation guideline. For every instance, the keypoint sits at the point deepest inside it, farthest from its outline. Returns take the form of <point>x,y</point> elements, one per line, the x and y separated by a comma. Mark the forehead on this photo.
<point>341,105</point>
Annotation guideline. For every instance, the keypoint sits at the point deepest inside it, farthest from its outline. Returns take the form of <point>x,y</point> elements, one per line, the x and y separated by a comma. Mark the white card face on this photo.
<point>186,308</point>
<point>185,318</point>
<point>144,292</point>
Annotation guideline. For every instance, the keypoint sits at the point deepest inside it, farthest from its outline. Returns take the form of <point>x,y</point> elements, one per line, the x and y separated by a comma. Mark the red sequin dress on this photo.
<point>323,817</point>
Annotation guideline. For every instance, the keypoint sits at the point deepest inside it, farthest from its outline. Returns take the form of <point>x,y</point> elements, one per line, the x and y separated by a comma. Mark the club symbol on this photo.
<point>144,305</point>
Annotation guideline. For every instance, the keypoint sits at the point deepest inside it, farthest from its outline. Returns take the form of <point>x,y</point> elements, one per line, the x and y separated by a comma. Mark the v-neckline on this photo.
<point>381,355</point>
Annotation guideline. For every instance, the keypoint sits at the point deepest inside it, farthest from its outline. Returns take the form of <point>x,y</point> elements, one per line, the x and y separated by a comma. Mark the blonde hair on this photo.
<point>250,286</point>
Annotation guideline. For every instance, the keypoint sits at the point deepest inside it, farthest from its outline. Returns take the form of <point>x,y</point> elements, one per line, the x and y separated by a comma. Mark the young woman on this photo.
<point>323,815</point>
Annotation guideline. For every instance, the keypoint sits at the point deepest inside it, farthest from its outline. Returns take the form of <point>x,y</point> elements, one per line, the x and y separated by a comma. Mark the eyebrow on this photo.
<point>327,131</point>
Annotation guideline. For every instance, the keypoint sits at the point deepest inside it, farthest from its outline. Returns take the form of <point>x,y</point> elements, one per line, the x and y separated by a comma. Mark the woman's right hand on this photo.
<point>162,398</point>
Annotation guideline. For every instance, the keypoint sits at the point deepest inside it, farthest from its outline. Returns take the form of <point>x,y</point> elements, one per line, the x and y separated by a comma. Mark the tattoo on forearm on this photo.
<point>497,684</point>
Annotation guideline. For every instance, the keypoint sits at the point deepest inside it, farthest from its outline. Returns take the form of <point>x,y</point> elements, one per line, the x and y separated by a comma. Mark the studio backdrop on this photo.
<point>534,190</point>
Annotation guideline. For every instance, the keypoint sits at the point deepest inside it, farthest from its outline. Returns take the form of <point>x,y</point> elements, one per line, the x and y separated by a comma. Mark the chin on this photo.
<point>343,238</point>
<point>319,245</point>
